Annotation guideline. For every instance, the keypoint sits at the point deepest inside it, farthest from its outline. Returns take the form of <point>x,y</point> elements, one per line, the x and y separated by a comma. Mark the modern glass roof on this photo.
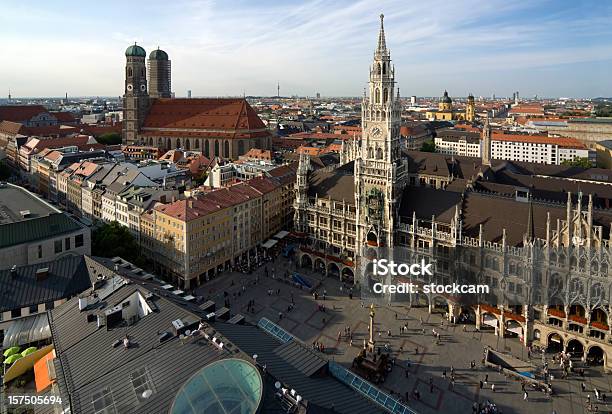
<point>229,386</point>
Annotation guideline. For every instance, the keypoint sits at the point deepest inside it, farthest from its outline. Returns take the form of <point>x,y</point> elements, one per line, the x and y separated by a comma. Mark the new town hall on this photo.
<point>538,235</point>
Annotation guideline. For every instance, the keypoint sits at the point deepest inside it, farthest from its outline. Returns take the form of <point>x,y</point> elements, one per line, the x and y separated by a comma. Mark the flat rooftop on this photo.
<point>16,201</point>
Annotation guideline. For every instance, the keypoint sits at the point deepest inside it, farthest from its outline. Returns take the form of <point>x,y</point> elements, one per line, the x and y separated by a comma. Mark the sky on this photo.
<point>550,48</point>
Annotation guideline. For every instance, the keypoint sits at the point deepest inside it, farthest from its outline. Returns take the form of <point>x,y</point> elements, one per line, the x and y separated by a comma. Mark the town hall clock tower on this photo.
<point>379,171</point>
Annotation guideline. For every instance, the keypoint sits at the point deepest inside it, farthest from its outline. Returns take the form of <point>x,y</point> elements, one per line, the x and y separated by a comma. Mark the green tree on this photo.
<point>578,162</point>
<point>603,109</point>
<point>110,138</point>
<point>113,239</point>
<point>428,146</point>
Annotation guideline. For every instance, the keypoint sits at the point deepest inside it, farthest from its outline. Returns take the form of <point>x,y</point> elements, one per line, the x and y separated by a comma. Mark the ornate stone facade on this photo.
<point>527,231</point>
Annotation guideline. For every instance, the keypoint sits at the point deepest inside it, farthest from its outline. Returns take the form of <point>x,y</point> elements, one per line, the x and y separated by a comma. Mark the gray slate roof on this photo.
<point>67,277</point>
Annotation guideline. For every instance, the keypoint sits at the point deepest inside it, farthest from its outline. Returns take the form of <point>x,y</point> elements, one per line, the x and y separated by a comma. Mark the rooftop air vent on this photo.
<point>42,273</point>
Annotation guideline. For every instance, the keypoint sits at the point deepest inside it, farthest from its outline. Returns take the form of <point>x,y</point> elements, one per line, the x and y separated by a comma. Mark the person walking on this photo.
<point>444,373</point>
<point>583,386</point>
<point>525,396</point>
<point>493,387</point>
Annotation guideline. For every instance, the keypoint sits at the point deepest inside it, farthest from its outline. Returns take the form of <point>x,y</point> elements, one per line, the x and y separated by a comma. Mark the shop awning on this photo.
<point>281,234</point>
<point>515,329</point>
<point>269,243</point>
<point>27,330</point>
<point>489,320</point>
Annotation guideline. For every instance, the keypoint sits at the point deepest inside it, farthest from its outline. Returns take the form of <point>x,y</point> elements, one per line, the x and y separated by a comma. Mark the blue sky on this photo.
<point>221,48</point>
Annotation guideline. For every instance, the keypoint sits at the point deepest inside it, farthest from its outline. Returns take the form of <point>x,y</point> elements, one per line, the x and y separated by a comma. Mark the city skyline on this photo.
<point>559,49</point>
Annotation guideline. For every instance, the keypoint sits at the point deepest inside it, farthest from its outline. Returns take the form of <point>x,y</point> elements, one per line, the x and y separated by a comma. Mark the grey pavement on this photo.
<point>414,351</point>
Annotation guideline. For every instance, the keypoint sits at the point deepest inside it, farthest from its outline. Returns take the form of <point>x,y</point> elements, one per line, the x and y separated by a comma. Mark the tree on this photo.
<point>578,162</point>
<point>110,138</point>
<point>428,146</point>
<point>113,239</point>
<point>603,109</point>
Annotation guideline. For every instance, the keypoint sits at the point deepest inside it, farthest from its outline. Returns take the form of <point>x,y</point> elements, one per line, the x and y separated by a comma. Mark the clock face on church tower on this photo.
<point>129,87</point>
<point>376,132</point>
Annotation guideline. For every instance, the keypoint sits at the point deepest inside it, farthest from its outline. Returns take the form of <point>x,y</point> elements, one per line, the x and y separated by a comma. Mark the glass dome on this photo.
<point>229,386</point>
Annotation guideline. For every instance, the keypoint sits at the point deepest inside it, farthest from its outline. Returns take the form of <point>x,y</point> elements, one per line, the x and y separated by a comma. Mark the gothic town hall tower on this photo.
<point>379,171</point>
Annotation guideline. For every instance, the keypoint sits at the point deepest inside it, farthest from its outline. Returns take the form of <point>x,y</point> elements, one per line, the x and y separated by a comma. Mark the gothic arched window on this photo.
<point>226,150</point>
<point>178,143</point>
<point>129,72</point>
<point>142,72</point>
<point>197,143</point>
<point>385,93</point>
<point>187,145</point>
<point>379,153</point>
<point>206,148</point>
<point>377,97</point>
<point>241,147</point>
<point>378,71</point>
<point>384,71</point>
<point>370,152</point>
<point>216,148</point>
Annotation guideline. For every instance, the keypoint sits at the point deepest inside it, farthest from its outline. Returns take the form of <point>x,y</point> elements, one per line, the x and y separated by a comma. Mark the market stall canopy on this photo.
<point>269,243</point>
<point>281,234</point>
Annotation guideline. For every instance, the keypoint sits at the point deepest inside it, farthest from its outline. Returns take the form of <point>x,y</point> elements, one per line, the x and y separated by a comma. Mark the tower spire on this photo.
<point>382,44</point>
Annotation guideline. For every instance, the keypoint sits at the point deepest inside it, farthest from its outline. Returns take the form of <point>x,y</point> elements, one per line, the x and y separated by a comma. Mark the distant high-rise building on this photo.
<point>9,95</point>
<point>413,100</point>
<point>278,90</point>
<point>159,74</point>
<point>189,94</point>
<point>318,95</point>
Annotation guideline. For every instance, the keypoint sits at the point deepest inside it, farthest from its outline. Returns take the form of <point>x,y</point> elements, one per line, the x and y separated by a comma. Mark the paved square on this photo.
<point>414,351</point>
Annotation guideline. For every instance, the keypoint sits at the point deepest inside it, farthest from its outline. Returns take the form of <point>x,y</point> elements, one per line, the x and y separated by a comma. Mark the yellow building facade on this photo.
<point>446,112</point>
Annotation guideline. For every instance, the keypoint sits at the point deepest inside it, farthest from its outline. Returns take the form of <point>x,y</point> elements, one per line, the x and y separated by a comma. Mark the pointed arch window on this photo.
<point>226,149</point>
<point>377,97</point>
<point>129,72</point>
<point>187,145</point>
<point>384,68</point>
<point>378,70</point>
<point>206,152</point>
<point>216,148</point>
<point>379,153</point>
<point>385,93</point>
<point>178,143</point>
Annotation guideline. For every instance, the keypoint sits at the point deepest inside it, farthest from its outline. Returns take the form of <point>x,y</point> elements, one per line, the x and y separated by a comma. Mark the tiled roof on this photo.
<point>231,118</point>
<point>538,139</point>
<point>20,113</point>
<point>10,127</point>
<point>338,184</point>
<point>63,116</point>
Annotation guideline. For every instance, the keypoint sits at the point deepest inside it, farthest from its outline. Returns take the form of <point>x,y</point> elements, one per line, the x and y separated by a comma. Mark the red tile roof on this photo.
<point>20,113</point>
<point>538,139</point>
<point>228,117</point>
<point>63,116</point>
<point>10,127</point>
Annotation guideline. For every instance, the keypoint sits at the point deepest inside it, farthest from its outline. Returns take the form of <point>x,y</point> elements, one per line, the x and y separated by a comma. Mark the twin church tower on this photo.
<point>136,98</point>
